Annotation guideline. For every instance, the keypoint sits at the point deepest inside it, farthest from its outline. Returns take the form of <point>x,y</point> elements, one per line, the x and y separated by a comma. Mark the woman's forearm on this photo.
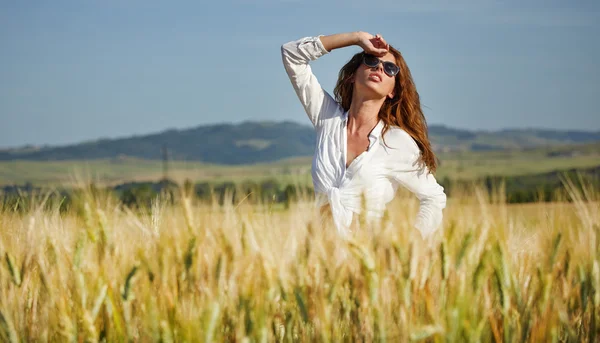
<point>340,40</point>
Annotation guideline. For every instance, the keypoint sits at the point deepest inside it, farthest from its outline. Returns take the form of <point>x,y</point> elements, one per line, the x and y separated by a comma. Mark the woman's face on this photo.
<point>373,81</point>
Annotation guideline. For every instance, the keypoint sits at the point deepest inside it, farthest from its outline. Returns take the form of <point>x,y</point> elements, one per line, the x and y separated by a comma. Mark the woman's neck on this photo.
<point>363,115</point>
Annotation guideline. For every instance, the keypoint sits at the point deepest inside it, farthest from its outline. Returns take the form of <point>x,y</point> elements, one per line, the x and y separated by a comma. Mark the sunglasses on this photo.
<point>388,67</point>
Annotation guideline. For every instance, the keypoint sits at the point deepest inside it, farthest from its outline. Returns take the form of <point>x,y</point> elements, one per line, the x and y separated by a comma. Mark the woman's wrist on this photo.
<point>340,40</point>
<point>357,36</point>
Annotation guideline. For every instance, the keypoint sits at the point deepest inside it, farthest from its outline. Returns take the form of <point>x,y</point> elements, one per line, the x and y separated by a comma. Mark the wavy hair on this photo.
<point>403,110</point>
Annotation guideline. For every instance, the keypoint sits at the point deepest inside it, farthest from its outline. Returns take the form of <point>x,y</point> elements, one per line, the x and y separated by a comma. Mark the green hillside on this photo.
<point>259,142</point>
<point>453,165</point>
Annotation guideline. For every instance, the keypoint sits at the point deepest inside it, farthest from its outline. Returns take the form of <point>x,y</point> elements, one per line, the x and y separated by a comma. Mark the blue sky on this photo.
<point>73,71</point>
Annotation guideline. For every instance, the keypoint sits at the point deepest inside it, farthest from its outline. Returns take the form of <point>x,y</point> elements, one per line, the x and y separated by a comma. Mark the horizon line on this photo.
<point>246,121</point>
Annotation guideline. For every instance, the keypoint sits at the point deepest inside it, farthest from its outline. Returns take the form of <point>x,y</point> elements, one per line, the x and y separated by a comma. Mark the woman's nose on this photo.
<point>378,66</point>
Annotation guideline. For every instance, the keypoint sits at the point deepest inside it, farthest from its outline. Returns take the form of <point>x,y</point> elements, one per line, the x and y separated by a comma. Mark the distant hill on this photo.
<point>253,142</point>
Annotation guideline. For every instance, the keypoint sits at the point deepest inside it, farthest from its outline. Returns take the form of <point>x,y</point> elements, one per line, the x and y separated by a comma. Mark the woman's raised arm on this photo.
<point>372,44</point>
<point>296,56</point>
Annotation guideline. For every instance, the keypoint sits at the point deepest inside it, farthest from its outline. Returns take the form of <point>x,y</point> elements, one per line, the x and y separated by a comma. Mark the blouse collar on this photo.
<point>375,133</point>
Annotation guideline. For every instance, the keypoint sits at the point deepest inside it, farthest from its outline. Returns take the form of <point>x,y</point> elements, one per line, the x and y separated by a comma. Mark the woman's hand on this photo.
<point>374,45</point>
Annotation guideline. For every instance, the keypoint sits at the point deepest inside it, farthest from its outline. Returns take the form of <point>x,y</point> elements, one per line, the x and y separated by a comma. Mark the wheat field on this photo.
<point>185,271</point>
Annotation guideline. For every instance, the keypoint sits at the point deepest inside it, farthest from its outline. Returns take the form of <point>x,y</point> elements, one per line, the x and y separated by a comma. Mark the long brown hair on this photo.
<point>403,110</point>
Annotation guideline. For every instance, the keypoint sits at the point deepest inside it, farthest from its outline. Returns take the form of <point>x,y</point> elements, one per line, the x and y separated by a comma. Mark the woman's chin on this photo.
<point>372,89</point>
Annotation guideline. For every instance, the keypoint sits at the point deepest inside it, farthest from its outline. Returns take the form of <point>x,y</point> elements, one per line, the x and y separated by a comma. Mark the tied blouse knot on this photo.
<point>376,173</point>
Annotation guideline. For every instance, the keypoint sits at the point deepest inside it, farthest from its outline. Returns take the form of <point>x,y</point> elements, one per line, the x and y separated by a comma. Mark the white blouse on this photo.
<point>375,173</point>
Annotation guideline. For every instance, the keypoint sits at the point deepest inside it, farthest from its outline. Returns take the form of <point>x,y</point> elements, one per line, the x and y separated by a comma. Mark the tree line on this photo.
<point>137,195</point>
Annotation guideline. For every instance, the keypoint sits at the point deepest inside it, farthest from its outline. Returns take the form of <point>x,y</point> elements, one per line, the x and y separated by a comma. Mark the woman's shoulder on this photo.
<point>398,139</point>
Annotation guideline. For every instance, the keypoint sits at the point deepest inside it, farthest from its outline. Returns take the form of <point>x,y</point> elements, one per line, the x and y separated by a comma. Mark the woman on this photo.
<point>372,138</point>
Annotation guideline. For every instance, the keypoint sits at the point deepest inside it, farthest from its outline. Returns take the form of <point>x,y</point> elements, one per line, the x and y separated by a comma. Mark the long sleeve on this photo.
<point>419,181</point>
<point>431,196</point>
<point>296,56</point>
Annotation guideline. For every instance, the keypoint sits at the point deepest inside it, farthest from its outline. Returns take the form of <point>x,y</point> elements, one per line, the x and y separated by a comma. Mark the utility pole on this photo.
<point>165,159</point>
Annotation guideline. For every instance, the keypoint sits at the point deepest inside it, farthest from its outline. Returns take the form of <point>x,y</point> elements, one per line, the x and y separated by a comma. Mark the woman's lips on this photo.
<point>375,76</point>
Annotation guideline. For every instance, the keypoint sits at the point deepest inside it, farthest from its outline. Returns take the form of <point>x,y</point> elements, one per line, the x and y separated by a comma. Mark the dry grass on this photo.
<point>200,272</point>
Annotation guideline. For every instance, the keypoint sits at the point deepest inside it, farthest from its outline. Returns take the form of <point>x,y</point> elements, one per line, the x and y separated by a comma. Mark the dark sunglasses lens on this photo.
<point>371,60</point>
<point>390,68</point>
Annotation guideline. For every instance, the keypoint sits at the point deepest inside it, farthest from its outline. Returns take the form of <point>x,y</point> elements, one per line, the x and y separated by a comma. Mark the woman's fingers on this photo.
<point>376,45</point>
<point>379,42</point>
<point>378,50</point>
<point>385,44</point>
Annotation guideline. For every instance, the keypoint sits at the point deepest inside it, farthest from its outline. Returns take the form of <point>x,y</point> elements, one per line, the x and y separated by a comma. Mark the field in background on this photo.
<point>456,166</point>
<point>115,171</point>
<point>196,271</point>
